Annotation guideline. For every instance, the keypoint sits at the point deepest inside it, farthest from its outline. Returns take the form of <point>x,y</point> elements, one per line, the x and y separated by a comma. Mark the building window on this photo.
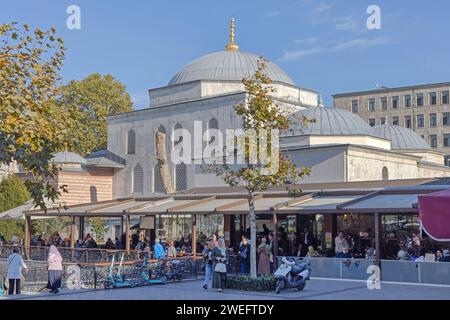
<point>180,177</point>
<point>355,106</point>
<point>93,193</point>
<point>372,104</point>
<point>446,140</point>
<point>180,138</point>
<point>446,118</point>
<point>383,101</point>
<point>420,122</point>
<point>433,140</point>
<point>433,120</point>
<point>131,142</point>
<point>385,173</point>
<point>408,101</point>
<point>157,179</point>
<point>212,124</point>
<point>138,179</point>
<point>383,120</point>
<point>395,102</point>
<point>408,123</point>
<point>395,121</point>
<point>445,97</point>
<point>372,122</point>
<point>419,99</point>
<point>433,99</point>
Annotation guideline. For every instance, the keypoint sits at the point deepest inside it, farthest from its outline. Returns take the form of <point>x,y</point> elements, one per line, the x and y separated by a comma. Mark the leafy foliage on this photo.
<point>259,112</point>
<point>247,283</point>
<point>86,104</point>
<point>13,193</point>
<point>48,227</point>
<point>97,227</point>
<point>30,62</point>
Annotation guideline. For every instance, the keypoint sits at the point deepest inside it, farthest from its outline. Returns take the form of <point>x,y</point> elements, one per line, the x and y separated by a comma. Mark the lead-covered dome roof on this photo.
<point>329,121</point>
<point>227,66</point>
<point>67,157</point>
<point>401,138</point>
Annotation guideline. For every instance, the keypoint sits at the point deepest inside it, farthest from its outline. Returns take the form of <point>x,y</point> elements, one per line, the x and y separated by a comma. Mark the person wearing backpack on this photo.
<point>15,265</point>
<point>244,256</point>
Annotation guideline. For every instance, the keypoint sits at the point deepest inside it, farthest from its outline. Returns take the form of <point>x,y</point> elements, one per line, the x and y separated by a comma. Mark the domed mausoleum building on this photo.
<point>338,146</point>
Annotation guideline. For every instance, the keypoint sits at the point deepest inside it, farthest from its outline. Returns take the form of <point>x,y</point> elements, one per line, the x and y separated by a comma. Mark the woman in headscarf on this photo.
<point>263,251</point>
<point>219,256</point>
<point>55,269</point>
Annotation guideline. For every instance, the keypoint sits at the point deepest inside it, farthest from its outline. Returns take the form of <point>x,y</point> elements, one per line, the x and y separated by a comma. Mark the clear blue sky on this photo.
<point>323,45</point>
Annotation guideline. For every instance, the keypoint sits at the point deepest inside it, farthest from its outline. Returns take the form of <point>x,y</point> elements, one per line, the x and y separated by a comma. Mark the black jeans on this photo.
<point>14,283</point>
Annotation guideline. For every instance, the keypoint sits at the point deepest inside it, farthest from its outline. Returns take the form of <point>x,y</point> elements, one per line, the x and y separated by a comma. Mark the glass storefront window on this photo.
<point>207,225</point>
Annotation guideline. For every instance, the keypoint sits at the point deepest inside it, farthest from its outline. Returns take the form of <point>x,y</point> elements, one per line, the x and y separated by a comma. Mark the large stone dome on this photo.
<point>401,138</point>
<point>329,121</point>
<point>227,66</point>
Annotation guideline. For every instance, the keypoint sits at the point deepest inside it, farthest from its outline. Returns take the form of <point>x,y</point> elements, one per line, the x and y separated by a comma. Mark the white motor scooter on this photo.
<point>291,274</point>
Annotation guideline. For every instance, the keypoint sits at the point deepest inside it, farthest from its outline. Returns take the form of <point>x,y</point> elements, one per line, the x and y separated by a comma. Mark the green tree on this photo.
<point>87,103</point>
<point>48,227</point>
<point>259,112</point>
<point>97,227</point>
<point>30,62</point>
<point>13,193</point>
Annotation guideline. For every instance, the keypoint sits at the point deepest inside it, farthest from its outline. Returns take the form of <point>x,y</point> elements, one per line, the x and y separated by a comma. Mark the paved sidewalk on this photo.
<point>316,289</point>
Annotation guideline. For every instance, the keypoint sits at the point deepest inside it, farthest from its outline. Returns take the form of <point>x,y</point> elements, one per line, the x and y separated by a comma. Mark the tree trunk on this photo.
<point>161,155</point>
<point>252,221</point>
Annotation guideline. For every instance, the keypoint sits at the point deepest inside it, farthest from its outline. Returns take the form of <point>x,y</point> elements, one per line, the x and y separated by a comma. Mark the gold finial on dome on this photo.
<point>231,46</point>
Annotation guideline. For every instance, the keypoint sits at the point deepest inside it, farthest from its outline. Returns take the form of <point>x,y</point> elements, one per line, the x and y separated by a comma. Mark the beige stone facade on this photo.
<point>86,186</point>
<point>428,114</point>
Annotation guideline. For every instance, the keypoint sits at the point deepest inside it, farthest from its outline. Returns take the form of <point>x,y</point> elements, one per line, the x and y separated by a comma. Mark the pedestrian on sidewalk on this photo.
<point>208,261</point>
<point>55,269</point>
<point>15,265</point>
<point>219,256</point>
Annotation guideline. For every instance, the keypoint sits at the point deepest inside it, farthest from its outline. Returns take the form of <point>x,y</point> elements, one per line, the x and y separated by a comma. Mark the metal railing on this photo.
<point>76,255</point>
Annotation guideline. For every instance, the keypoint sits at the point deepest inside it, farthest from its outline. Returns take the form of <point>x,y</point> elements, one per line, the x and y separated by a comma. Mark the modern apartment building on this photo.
<point>424,109</point>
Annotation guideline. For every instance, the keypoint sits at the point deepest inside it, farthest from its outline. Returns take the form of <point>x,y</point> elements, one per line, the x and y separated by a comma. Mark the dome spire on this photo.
<point>231,46</point>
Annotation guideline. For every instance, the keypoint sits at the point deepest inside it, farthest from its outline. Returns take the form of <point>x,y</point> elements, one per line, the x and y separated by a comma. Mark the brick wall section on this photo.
<point>83,185</point>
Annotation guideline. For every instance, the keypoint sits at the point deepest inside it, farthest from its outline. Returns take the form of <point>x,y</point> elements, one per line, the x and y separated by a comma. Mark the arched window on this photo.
<point>93,192</point>
<point>212,124</point>
<point>138,179</point>
<point>180,177</point>
<point>131,142</point>
<point>385,173</point>
<point>157,179</point>
<point>178,126</point>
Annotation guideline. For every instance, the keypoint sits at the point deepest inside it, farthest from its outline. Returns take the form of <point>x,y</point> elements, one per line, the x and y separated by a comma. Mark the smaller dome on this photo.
<point>330,121</point>
<point>401,138</point>
<point>66,157</point>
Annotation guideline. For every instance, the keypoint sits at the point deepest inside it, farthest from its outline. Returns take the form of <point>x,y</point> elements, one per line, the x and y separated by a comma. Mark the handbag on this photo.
<point>220,267</point>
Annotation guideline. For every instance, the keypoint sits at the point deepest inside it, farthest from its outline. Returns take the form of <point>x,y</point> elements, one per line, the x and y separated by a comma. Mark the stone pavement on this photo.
<point>316,289</point>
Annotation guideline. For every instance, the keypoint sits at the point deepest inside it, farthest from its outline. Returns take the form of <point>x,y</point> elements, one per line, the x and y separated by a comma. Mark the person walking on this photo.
<point>55,269</point>
<point>263,251</point>
<point>219,256</point>
<point>15,265</point>
<point>208,261</point>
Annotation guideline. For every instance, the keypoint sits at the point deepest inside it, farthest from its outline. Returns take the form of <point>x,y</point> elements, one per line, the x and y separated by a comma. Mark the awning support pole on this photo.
<point>377,237</point>
<point>275,237</point>
<point>194,235</point>
<point>27,236</point>
<point>127,233</point>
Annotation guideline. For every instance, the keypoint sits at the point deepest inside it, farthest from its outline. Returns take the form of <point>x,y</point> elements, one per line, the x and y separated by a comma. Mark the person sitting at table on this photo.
<point>344,254</point>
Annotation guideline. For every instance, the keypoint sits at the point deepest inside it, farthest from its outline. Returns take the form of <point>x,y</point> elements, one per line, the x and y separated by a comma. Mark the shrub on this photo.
<point>246,283</point>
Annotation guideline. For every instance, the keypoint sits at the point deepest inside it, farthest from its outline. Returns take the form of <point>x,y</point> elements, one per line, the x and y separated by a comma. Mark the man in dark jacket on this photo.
<point>244,256</point>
